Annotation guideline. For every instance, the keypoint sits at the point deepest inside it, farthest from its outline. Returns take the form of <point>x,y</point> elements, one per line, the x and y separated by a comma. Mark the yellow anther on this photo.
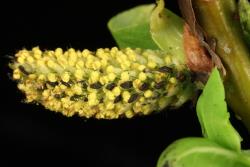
<point>114,51</point>
<point>71,50</point>
<point>63,87</point>
<point>92,99</point>
<point>16,74</point>
<point>148,94</point>
<point>125,76</point>
<point>51,64</point>
<point>79,74</point>
<point>21,59</point>
<point>94,76</point>
<point>137,107</point>
<point>123,56</point>
<point>131,54</point>
<point>65,77</point>
<point>146,110</point>
<point>110,69</point>
<point>110,106</point>
<point>129,114</point>
<point>69,92</point>
<point>80,64</point>
<point>46,93</point>
<point>58,52</point>
<point>100,52</point>
<point>104,62</point>
<point>79,54</point>
<point>126,95</point>
<point>135,65</point>
<point>49,53</point>
<point>172,80</point>
<point>57,90</point>
<point>142,76</point>
<point>127,63</point>
<point>151,64</point>
<point>85,52</point>
<point>141,67</point>
<point>72,58</point>
<point>111,76</point>
<point>66,102</point>
<point>168,60</point>
<point>30,59</point>
<point>116,91</point>
<point>41,77</point>
<point>96,65</point>
<point>37,51</point>
<point>104,80</point>
<point>89,62</point>
<point>136,83</point>
<point>110,95</point>
<point>142,99</point>
<point>24,53</point>
<point>77,89</point>
<point>32,76</point>
<point>159,77</point>
<point>128,50</point>
<point>37,56</point>
<point>52,77</point>
<point>132,57</point>
<point>21,86</point>
<point>119,60</point>
<point>40,63</point>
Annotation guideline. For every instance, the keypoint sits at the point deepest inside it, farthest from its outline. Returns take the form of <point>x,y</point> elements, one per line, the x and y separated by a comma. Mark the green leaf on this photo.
<point>201,152</point>
<point>213,115</point>
<point>167,31</point>
<point>131,28</point>
<point>244,13</point>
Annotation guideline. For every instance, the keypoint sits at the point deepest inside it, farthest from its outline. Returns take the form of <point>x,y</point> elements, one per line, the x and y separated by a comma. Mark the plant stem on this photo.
<point>218,19</point>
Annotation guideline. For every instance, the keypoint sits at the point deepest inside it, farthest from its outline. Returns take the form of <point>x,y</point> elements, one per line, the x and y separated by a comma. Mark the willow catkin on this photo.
<point>108,83</point>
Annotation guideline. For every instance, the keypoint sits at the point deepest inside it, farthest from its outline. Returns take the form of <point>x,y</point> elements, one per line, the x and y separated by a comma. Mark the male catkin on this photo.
<point>108,83</point>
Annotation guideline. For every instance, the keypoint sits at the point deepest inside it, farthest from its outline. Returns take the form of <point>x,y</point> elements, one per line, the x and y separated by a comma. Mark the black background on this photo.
<point>31,135</point>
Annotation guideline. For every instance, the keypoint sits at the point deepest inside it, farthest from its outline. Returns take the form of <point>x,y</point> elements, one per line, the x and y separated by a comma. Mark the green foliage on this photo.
<point>149,27</point>
<point>213,115</point>
<point>201,152</point>
<point>131,28</point>
<point>167,31</point>
<point>221,145</point>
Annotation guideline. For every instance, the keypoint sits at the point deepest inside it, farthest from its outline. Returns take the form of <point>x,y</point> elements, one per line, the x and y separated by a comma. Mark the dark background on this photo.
<point>33,136</point>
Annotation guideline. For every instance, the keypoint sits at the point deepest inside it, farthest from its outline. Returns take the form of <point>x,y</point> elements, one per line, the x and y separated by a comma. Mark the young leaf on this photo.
<point>131,28</point>
<point>167,31</point>
<point>201,152</point>
<point>213,115</point>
